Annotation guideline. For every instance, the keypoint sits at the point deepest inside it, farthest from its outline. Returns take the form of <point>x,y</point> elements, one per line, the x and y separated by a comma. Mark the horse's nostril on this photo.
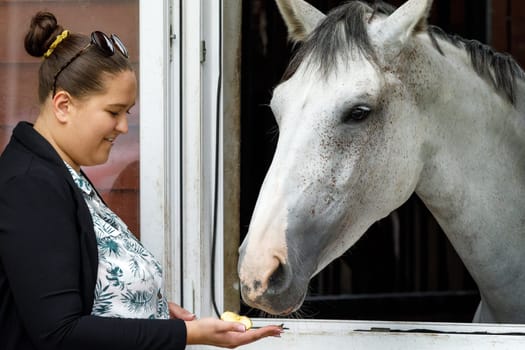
<point>278,275</point>
<point>278,279</point>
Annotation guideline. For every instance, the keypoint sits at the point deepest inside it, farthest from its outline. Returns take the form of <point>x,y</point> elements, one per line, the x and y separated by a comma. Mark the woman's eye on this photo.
<point>356,114</point>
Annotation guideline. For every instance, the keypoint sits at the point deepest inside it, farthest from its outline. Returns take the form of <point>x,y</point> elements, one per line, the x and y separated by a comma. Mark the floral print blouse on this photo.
<point>129,278</point>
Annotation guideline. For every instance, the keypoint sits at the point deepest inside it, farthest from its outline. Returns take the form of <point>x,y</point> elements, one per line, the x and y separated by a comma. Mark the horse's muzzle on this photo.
<point>275,292</point>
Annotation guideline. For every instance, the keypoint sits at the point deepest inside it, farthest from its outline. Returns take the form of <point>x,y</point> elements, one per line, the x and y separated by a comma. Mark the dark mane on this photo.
<point>500,68</point>
<point>344,31</point>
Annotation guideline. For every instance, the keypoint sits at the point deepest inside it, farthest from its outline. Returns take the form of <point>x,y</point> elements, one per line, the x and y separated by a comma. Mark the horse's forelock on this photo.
<point>349,24</point>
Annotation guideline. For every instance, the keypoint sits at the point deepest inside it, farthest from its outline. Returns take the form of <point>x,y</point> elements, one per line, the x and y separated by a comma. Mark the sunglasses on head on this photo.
<point>106,44</point>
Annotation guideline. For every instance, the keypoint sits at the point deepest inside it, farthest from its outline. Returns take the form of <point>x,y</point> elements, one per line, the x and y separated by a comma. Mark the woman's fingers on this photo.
<point>267,331</point>
<point>253,335</point>
<point>178,312</point>
<point>235,333</point>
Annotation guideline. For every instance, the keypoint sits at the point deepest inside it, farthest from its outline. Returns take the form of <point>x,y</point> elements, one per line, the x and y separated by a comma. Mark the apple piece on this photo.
<point>233,317</point>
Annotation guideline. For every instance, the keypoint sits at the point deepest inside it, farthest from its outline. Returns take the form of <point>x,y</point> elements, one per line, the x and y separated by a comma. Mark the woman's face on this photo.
<point>96,121</point>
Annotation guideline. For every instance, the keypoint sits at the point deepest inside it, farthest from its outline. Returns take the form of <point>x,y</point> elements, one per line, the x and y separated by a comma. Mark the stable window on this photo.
<point>403,268</point>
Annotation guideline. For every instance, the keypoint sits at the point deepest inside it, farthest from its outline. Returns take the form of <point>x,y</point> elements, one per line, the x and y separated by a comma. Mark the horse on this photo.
<point>375,105</point>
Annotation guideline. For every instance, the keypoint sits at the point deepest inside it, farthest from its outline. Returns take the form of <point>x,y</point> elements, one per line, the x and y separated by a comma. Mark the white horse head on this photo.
<point>374,106</point>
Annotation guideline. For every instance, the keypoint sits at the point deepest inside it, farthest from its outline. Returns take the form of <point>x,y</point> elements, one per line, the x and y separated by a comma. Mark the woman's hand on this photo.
<point>212,331</point>
<point>178,312</point>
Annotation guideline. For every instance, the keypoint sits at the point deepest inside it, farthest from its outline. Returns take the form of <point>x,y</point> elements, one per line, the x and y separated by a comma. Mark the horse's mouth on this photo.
<point>282,304</point>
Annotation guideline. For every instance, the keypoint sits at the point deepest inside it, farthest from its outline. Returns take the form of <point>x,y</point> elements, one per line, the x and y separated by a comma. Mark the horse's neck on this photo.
<point>473,179</point>
<point>475,143</point>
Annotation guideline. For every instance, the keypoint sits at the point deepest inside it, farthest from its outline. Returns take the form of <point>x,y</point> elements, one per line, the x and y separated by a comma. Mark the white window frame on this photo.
<point>160,218</point>
<point>178,99</point>
<point>178,93</point>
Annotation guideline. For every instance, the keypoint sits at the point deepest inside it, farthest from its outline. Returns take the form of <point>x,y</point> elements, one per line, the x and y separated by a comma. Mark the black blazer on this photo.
<point>48,261</point>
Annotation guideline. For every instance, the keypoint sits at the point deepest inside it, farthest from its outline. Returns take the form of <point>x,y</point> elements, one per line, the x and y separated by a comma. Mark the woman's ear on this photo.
<point>62,106</point>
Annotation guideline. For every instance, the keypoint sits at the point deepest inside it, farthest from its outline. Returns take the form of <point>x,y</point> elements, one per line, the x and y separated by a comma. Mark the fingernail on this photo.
<point>240,328</point>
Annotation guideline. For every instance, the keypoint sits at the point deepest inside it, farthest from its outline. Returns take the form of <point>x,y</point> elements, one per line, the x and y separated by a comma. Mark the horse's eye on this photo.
<point>356,114</point>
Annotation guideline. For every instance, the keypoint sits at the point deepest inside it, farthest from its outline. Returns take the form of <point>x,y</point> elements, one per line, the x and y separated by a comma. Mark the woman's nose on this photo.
<point>122,124</point>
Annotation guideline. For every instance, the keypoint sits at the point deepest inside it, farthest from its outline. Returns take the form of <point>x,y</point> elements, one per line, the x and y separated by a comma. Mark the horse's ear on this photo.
<point>300,17</point>
<point>408,19</point>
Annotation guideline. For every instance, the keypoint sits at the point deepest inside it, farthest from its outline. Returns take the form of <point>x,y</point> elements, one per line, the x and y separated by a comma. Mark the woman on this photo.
<point>72,276</point>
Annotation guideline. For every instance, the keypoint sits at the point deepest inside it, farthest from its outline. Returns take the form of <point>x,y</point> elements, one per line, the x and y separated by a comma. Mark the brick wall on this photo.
<point>118,179</point>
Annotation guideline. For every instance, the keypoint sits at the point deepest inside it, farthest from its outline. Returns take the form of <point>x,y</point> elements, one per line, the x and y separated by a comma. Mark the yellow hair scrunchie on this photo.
<point>55,43</point>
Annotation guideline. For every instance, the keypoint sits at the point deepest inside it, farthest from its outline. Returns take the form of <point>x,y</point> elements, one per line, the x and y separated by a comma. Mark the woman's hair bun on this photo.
<point>42,32</point>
